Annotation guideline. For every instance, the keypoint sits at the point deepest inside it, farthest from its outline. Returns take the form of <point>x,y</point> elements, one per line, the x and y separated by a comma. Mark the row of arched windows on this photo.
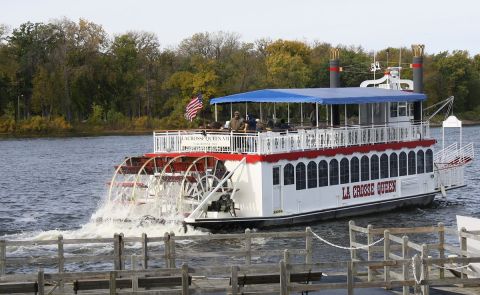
<point>354,170</point>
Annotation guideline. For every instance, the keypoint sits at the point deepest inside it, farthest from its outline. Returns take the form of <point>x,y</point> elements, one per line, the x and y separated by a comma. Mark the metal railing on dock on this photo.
<point>401,261</point>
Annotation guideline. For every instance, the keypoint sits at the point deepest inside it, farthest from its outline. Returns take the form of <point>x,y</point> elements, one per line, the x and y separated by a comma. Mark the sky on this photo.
<point>440,25</point>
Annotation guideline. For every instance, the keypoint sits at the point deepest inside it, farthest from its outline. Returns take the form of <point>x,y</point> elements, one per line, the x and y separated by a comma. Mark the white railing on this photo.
<point>281,142</point>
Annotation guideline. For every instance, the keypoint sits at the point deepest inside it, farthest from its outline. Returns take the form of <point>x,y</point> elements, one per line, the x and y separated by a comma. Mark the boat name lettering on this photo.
<point>368,189</point>
<point>206,141</point>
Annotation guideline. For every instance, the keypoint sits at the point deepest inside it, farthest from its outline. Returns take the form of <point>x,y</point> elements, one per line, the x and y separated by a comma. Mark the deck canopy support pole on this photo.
<point>216,114</point>
<point>288,113</point>
<point>231,110</point>
<point>386,109</point>
<point>274,113</point>
<point>331,115</point>
<point>346,115</point>
<point>301,114</point>
<point>261,114</point>
<point>246,109</point>
<point>359,111</point>
<point>371,107</point>
<point>316,114</point>
<point>326,108</point>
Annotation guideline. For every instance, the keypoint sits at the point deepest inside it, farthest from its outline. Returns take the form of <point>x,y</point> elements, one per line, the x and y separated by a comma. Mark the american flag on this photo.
<point>193,107</point>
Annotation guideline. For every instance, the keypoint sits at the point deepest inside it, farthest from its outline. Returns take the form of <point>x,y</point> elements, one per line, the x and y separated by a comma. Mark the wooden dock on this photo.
<point>382,261</point>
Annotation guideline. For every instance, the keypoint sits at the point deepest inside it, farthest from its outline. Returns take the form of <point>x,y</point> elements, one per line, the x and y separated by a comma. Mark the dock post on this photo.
<point>425,287</point>
<point>283,278</point>
<point>234,280</point>
<point>61,262</point>
<point>417,262</point>
<point>113,283</point>
<point>308,245</point>
<point>41,281</point>
<point>185,279</point>
<point>406,289</point>
<point>172,250</point>
<point>286,258</point>
<point>3,257</point>
<point>350,277</point>
<point>386,256</point>
<point>463,248</point>
<point>353,252</point>
<point>144,251</point>
<point>121,252</point>
<point>116,251</point>
<point>441,248</point>
<point>369,250</point>
<point>166,249</point>
<point>248,246</point>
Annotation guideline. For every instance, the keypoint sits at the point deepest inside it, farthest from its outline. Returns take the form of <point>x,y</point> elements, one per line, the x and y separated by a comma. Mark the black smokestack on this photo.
<point>417,65</point>
<point>335,82</point>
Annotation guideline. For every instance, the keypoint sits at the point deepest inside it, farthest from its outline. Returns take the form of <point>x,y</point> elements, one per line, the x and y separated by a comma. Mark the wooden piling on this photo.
<point>61,261</point>
<point>353,240</point>
<point>116,252</point>
<point>369,250</point>
<point>463,249</point>
<point>425,287</point>
<point>185,279</point>
<point>286,258</point>
<point>248,246</point>
<point>386,256</point>
<point>172,250</point>
<point>3,257</point>
<point>41,282</point>
<point>308,245</point>
<point>166,243</point>
<point>113,283</point>
<point>234,282</point>
<point>405,289</point>
<point>283,278</point>
<point>441,248</point>
<point>350,278</point>
<point>144,251</point>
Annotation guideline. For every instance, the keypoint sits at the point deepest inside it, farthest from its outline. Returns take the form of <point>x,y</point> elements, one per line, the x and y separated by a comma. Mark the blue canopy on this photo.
<point>346,95</point>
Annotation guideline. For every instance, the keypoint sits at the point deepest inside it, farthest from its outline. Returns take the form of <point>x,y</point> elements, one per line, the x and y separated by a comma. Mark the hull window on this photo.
<point>301,176</point>
<point>312,174</point>
<point>354,170</point>
<point>429,161</point>
<point>411,163</point>
<point>393,165</point>
<point>403,163</point>
<point>384,166</point>
<point>420,162</point>
<point>322,173</point>
<point>344,171</point>
<point>374,167</point>
<point>288,174</point>
<point>365,172</point>
<point>333,172</point>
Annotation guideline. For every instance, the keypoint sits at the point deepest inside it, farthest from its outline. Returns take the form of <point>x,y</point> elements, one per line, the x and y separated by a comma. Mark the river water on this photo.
<point>52,186</point>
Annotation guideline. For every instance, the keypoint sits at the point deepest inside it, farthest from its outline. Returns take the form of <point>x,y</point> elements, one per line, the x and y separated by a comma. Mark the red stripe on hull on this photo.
<point>311,154</point>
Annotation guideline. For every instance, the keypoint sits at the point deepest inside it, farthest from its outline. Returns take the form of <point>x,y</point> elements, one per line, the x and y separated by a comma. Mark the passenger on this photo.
<point>251,123</point>
<point>237,123</point>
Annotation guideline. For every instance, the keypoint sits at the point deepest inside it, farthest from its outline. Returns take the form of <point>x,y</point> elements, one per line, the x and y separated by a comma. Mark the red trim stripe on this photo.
<point>417,65</point>
<point>334,69</point>
<point>311,154</point>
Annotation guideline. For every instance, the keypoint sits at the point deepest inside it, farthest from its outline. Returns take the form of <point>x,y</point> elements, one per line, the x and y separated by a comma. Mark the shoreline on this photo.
<point>95,133</point>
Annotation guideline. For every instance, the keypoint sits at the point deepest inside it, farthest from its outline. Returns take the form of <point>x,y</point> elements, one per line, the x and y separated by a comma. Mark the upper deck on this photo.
<point>269,142</point>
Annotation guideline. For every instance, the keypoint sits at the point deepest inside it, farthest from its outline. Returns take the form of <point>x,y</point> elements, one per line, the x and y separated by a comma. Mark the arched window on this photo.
<point>411,163</point>
<point>365,168</point>
<point>384,166</point>
<point>354,170</point>
<point>333,172</point>
<point>420,162</point>
<point>312,174</point>
<point>344,171</point>
<point>288,175</point>
<point>322,173</point>
<point>402,163</point>
<point>374,167</point>
<point>429,161</point>
<point>393,165</point>
<point>301,176</point>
